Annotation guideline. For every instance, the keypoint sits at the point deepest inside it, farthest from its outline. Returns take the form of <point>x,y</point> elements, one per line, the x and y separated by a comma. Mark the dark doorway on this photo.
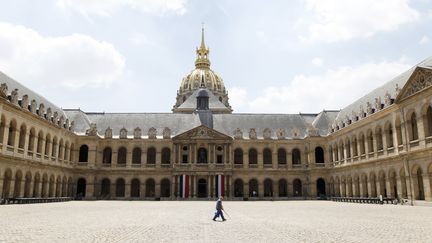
<point>150,188</point>
<point>120,188</point>
<point>135,188</point>
<point>165,188</point>
<point>321,187</point>
<point>283,192</point>
<point>297,188</point>
<point>105,187</point>
<point>81,188</point>
<point>202,188</point>
<point>253,188</point>
<point>238,188</point>
<point>268,188</point>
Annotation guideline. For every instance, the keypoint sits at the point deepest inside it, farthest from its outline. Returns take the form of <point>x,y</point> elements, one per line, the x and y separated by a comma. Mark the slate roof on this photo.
<point>22,90</point>
<point>389,87</point>
<point>190,103</point>
<point>181,122</point>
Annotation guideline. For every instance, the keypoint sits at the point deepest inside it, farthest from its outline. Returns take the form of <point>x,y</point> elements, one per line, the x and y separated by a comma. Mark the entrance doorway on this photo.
<point>202,188</point>
<point>321,188</point>
<point>81,188</point>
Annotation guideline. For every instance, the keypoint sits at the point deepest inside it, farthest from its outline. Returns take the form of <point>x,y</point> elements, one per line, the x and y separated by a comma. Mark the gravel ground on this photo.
<point>190,221</point>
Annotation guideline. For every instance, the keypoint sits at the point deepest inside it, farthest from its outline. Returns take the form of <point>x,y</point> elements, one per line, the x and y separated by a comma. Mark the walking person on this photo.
<point>219,209</point>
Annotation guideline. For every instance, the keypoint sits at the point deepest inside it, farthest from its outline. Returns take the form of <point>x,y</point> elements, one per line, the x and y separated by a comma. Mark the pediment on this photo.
<point>420,79</point>
<point>202,132</point>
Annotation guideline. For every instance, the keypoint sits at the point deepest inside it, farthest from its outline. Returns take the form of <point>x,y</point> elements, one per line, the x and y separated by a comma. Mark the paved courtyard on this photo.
<point>282,221</point>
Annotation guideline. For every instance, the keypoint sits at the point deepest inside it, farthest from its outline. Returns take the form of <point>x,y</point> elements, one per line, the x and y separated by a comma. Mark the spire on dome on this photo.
<point>202,60</point>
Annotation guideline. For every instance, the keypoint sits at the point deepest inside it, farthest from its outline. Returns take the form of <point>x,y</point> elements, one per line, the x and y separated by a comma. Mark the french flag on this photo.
<point>184,186</point>
<point>220,185</point>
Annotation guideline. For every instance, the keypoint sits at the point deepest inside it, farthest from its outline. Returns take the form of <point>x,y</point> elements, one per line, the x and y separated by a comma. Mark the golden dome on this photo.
<point>202,77</point>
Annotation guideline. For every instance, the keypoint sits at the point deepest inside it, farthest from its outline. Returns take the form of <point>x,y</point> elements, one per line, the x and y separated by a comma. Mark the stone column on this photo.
<point>260,159</point>
<point>260,188</point>
<point>173,186</point>
<point>361,187</point>
<point>388,189</point>
<point>276,189</point>
<point>1,187</point>
<point>275,161</point>
<point>22,187</point>
<point>246,189</point>
<point>157,189</point>
<point>127,189</point>
<point>113,189</point>
<point>11,188</point>
<point>158,159</point>
<point>129,157</point>
<point>90,189</point>
<point>209,188</point>
<point>427,187</point>
<point>190,186</point>
<point>142,189</point>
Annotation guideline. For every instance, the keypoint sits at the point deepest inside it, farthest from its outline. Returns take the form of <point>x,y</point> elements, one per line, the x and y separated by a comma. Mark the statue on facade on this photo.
<point>33,106</point>
<point>25,102</point>
<point>252,133</point>
<point>281,133</point>
<point>152,133</point>
<point>92,131</point>
<point>137,133</point>
<point>3,90</point>
<point>14,96</point>
<point>123,133</point>
<point>108,133</point>
<point>267,133</point>
<point>166,133</point>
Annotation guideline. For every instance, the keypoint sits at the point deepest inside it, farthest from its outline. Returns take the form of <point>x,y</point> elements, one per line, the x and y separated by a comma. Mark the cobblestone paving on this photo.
<point>283,221</point>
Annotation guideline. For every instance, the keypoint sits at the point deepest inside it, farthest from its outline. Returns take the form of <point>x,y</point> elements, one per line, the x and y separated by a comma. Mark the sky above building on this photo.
<point>274,56</point>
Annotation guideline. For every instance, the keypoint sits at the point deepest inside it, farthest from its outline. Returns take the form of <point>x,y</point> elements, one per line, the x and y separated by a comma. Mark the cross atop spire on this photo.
<point>202,60</point>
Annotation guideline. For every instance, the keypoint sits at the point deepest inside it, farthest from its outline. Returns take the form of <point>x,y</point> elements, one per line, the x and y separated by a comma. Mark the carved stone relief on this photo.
<point>137,133</point>
<point>108,133</point>
<point>166,133</point>
<point>152,133</point>
<point>267,133</point>
<point>238,134</point>
<point>123,133</point>
<point>252,133</point>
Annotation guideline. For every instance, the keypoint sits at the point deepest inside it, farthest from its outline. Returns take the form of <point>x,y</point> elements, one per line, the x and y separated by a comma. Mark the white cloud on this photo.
<point>335,20</point>
<point>238,98</point>
<point>334,89</point>
<point>424,40</point>
<point>72,61</point>
<point>318,62</point>
<point>107,7</point>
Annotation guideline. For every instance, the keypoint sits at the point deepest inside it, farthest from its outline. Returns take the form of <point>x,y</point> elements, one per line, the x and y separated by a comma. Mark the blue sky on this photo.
<point>274,56</point>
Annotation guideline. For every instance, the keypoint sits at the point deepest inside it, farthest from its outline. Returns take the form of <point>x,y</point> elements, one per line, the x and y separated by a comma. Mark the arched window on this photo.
<point>22,136</point>
<point>389,135</point>
<point>253,156</point>
<point>121,156</point>
<point>12,132</point>
<point>354,146</point>
<point>238,188</point>
<point>54,147</point>
<point>202,156</point>
<point>166,156</point>
<point>238,156</point>
<point>2,128</point>
<point>267,156</point>
<point>107,154</point>
<point>135,188</point>
<point>319,155</point>
<point>296,159</point>
<point>32,138</point>
<point>370,142</point>
<point>253,188</point>
<point>268,188</point>
<point>39,143</point>
<point>414,130</point>
<point>379,140</point>
<point>165,188</point>
<point>47,144</point>
<point>136,156</point>
<point>151,156</point>
<point>283,190</point>
<point>120,187</point>
<point>185,154</point>
<point>282,158</point>
<point>297,187</point>
<point>429,121</point>
<point>83,153</point>
<point>150,188</point>
<point>362,144</point>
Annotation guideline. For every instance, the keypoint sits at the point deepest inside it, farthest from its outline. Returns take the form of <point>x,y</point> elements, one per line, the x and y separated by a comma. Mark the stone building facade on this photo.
<point>381,144</point>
